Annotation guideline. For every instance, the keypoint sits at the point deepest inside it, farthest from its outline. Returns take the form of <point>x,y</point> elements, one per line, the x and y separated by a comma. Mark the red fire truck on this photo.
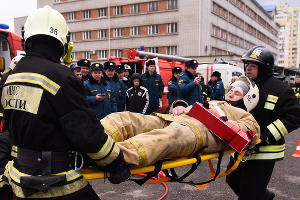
<point>10,46</point>
<point>164,64</point>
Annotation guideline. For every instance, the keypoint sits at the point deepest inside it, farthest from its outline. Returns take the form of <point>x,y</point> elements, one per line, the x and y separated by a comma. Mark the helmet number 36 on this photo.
<point>53,30</point>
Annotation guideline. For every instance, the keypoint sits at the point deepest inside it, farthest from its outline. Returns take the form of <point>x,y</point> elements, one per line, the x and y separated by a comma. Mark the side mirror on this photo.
<point>2,64</point>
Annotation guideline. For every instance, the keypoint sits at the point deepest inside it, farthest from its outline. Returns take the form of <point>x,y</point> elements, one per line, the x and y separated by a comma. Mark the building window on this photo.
<point>116,52</point>
<point>152,29</point>
<point>74,56</point>
<point>172,28</point>
<point>87,54</point>
<point>102,54</point>
<point>135,8</point>
<point>102,34</point>
<point>118,32</point>
<point>172,50</point>
<point>101,12</point>
<point>72,36</point>
<point>153,6</point>
<point>56,1</point>
<point>86,35</point>
<point>118,10</point>
<point>172,4</point>
<point>86,14</point>
<point>71,16</point>
<point>153,49</point>
<point>135,30</point>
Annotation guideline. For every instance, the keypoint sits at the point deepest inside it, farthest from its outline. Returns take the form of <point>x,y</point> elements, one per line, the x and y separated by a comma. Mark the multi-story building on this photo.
<point>201,29</point>
<point>289,41</point>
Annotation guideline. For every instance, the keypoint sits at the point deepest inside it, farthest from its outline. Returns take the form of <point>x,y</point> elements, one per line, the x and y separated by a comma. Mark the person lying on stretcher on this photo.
<point>145,139</point>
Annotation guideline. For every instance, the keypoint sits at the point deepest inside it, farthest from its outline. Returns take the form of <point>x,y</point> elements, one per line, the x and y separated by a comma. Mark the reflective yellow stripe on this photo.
<point>15,174</point>
<point>104,150</point>
<point>278,123</point>
<point>112,131</point>
<point>266,156</point>
<point>1,114</point>
<point>272,98</point>
<point>269,106</point>
<point>141,151</point>
<point>34,78</point>
<point>272,148</point>
<point>274,131</point>
<point>109,159</point>
<point>94,91</point>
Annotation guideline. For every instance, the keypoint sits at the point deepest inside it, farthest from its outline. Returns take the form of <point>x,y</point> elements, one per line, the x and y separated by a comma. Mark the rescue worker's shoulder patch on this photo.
<point>170,83</point>
<point>180,82</point>
<point>218,85</point>
<point>21,97</point>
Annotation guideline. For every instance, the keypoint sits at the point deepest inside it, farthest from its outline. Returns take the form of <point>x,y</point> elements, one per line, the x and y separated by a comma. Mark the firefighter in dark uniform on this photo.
<point>277,113</point>
<point>6,145</point>
<point>217,86</point>
<point>85,65</point>
<point>119,88</point>
<point>152,81</point>
<point>189,85</point>
<point>8,151</point>
<point>49,118</point>
<point>173,86</point>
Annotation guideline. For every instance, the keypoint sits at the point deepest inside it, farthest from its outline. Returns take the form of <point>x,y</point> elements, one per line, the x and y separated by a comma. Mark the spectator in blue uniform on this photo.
<point>152,81</point>
<point>85,65</point>
<point>76,70</point>
<point>121,74</point>
<point>119,88</point>
<point>217,86</point>
<point>99,93</point>
<point>189,85</point>
<point>172,85</point>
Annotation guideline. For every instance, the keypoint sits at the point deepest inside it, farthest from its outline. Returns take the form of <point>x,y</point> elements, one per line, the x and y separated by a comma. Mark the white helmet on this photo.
<point>47,21</point>
<point>251,97</point>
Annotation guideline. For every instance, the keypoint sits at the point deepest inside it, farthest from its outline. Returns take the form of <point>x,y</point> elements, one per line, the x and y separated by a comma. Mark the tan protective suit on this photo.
<point>145,139</point>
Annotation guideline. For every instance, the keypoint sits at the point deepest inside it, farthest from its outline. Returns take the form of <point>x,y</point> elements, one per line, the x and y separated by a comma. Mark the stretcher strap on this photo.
<point>236,164</point>
<point>149,175</point>
<point>213,173</point>
<point>174,177</point>
<point>211,167</point>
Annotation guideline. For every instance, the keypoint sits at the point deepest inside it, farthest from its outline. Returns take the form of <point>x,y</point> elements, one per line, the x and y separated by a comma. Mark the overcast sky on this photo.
<point>279,2</point>
<point>18,8</point>
<point>10,9</point>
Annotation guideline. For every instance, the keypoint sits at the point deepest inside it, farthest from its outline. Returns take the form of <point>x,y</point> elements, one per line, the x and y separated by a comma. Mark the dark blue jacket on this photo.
<point>119,90</point>
<point>172,90</point>
<point>218,91</point>
<point>101,108</point>
<point>155,86</point>
<point>188,90</point>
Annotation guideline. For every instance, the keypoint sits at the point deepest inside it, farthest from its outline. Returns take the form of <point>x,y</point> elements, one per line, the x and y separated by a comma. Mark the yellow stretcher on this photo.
<point>92,173</point>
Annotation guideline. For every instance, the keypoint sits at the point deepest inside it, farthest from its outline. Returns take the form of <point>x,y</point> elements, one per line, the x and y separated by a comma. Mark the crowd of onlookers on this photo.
<point>115,88</point>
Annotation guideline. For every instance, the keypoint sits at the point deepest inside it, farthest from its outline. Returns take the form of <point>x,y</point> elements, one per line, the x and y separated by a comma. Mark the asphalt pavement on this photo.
<point>285,182</point>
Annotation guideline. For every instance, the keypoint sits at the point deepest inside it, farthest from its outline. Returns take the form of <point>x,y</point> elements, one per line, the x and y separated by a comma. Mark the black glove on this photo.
<point>119,171</point>
<point>266,137</point>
